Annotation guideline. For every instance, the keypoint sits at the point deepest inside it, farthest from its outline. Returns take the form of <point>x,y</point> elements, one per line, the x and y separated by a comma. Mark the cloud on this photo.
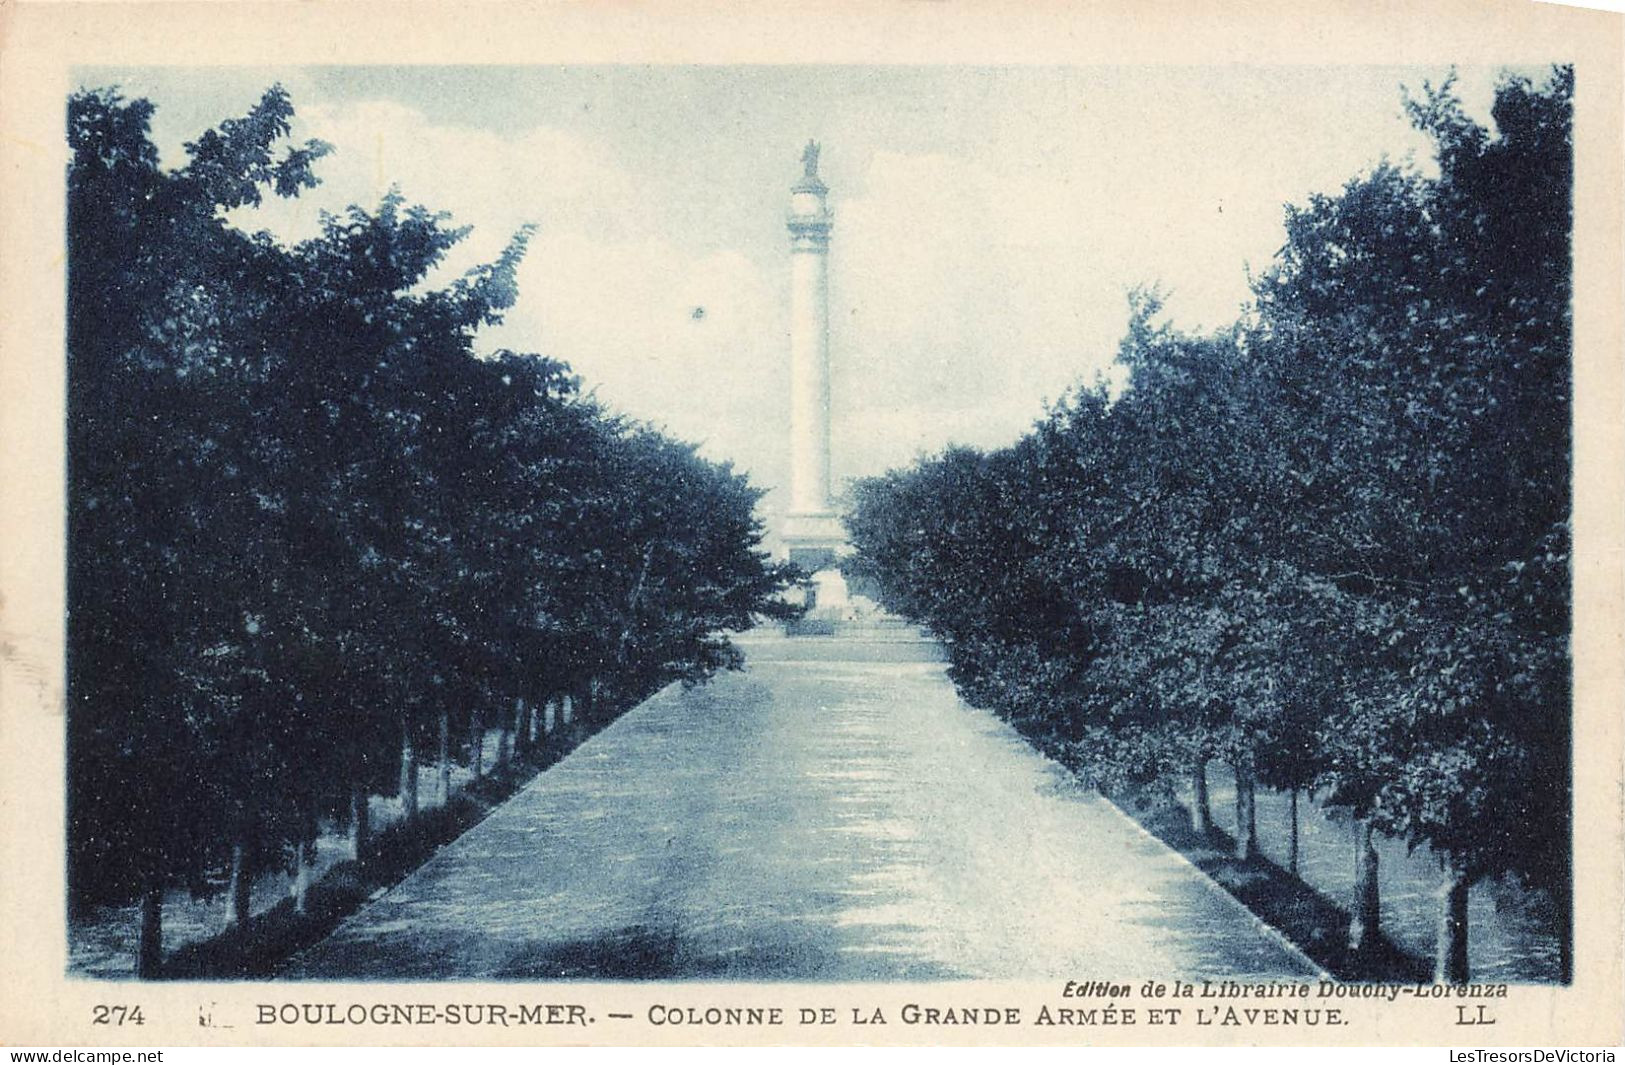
<point>969,284</point>
<point>493,182</point>
<point>601,286</point>
<point>965,292</point>
<point>690,341</point>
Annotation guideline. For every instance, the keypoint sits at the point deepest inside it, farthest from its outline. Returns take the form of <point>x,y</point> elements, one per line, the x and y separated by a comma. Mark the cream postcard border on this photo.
<point>41,41</point>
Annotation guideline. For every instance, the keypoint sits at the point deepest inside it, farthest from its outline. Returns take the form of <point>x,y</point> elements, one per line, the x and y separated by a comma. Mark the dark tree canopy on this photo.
<point>1330,545</point>
<point>308,519</point>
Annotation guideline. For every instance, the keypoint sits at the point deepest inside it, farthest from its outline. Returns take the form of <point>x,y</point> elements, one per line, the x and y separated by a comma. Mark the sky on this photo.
<point>989,222</point>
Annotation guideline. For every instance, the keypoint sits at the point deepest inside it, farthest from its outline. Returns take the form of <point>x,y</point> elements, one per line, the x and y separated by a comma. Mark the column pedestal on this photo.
<point>815,540</point>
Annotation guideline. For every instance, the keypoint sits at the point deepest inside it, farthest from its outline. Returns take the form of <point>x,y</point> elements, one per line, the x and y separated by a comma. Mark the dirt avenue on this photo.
<point>816,817</point>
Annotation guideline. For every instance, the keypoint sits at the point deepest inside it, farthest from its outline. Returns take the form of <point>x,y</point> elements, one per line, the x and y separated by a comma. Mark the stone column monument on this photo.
<point>813,532</point>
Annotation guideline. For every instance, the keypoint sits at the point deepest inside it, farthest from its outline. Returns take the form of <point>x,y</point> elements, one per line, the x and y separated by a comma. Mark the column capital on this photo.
<point>809,230</point>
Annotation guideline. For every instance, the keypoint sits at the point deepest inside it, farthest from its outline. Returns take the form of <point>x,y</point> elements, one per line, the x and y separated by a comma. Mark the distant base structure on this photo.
<point>837,607</point>
<point>857,620</point>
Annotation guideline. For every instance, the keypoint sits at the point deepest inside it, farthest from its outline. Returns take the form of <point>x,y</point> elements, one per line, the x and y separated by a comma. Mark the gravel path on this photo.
<point>826,815</point>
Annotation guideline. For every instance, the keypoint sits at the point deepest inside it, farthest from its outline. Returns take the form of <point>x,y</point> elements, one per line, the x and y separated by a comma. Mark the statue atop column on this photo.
<point>809,171</point>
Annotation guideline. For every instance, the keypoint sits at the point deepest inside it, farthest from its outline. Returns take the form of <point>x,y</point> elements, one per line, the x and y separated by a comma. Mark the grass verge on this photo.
<point>260,948</point>
<point>1312,922</point>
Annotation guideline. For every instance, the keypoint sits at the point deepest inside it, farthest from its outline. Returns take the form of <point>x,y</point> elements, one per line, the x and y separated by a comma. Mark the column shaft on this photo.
<point>809,381</point>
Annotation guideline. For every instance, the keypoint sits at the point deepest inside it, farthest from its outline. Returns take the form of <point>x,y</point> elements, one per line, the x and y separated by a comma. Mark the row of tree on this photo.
<point>312,533</point>
<point>1328,546</point>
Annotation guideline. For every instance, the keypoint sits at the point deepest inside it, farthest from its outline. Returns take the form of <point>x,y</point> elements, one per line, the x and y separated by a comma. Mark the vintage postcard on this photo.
<point>542,524</point>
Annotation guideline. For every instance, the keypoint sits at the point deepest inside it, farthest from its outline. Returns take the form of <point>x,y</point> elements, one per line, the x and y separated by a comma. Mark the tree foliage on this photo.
<point>1330,545</point>
<point>307,521</point>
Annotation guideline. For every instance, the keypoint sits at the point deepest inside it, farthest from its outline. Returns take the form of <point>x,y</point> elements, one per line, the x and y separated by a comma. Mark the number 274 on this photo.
<point>116,1015</point>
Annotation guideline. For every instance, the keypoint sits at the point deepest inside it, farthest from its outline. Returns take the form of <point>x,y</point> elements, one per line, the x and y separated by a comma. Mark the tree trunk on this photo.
<point>550,716</point>
<point>409,775</point>
<point>1366,920</point>
<point>237,891</point>
<point>445,756</point>
<point>1292,836</point>
<point>1563,900</point>
<point>1201,805</point>
<point>504,739</point>
<point>304,860</point>
<point>476,743</point>
<point>298,884</point>
<point>149,951</point>
<point>360,821</point>
<point>1450,949</point>
<point>1246,817</point>
<point>520,719</point>
<point>303,868</point>
<point>567,709</point>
